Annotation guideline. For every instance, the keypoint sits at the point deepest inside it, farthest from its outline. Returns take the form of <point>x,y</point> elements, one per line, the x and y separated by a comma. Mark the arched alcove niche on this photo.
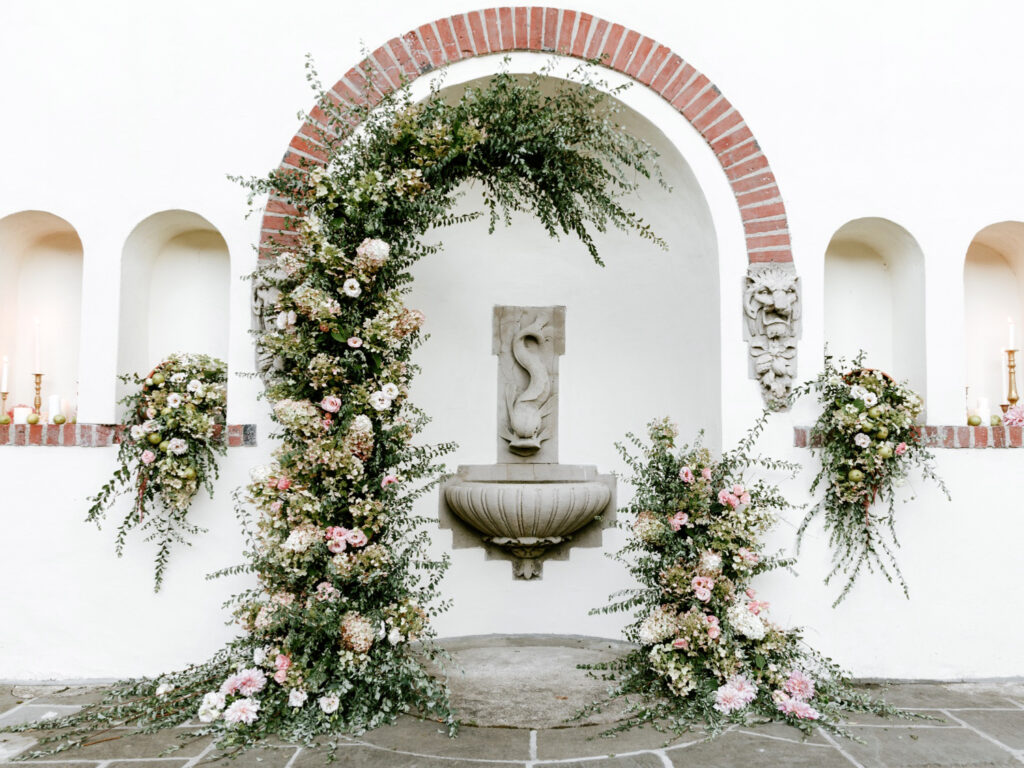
<point>642,332</point>
<point>874,298</point>
<point>993,296</point>
<point>41,283</point>
<point>175,272</point>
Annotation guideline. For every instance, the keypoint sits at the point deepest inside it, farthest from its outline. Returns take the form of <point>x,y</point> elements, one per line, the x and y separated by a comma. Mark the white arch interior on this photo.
<point>643,339</point>
<point>874,298</point>
<point>993,298</point>
<point>41,269</point>
<point>174,291</point>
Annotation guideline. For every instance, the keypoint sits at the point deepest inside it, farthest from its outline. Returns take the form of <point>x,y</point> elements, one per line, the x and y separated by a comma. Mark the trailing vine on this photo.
<point>172,434</point>
<point>345,580</point>
<point>869,443</point>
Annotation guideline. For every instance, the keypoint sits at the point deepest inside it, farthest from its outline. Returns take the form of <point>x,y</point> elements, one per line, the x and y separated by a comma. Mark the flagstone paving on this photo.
<point>981,725</point>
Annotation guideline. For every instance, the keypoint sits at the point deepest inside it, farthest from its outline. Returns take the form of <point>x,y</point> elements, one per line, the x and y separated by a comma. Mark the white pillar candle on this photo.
<point>35,346</point>
<point>54,409</point>
<point>3,377</point>
<point>1013,335</point>
<point>21,413</point>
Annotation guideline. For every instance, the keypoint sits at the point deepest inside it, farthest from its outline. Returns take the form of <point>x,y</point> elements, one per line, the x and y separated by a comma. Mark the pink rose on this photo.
<point>706,473</point>
<point>148,457</point>
<point>681,644</point>
<point>356,538</point>
<point>336,546</point>
<point>331,403</point>
<point>388,480</point>
<point>678,520</point>
<point>283,484</point>
<point>283,661</point>
<point>275,507</point>
<point>901,449</point>
<point>702,587</point>
<point>281,676</point>
<point>714,630</point>
<point>686,475</point>
<point>355,342</point>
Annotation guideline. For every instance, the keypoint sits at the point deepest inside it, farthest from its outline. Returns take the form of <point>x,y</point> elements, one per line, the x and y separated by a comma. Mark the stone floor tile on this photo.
<point>916,748</point>
<point>12,744</point>
<point>8,699</point>
<point>80,694</point>
<point>585,741</point>
<point>429,738</point>
<point>161,764</point>
<point>76,764</point>
<point>867,718</point>
<point>641,760</point>
<point>782,732</point>
<point>932,695</point>
<point>1007,727</point>
<point>364,756</point>
<point>122,745</point>
<point>29,712</point>
<point>263,757</point>
<point>736,748</point>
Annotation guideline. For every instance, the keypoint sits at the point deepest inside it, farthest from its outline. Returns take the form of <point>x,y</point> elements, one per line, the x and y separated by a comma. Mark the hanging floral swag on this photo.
<point>869,444</point>
<point>345,582</point>
<point>171,436</point>
<point>708,652</point>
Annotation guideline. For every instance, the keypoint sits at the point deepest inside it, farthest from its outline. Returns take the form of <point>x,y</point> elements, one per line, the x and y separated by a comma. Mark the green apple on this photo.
<point>171,424</point>
<point>165,445</point>
<point>60,418</point>
<point>875,412</point>
<point>5,419</point>
<point>885,452</point>
<point>155,438</point>
<point>882,433</point>
<point>190,473</point>
<point>32,418</point>
<point>855,476</point>
<point>166,411</point>
<point>158,379</point>
<point>996,420</point>
<point>974,421</point>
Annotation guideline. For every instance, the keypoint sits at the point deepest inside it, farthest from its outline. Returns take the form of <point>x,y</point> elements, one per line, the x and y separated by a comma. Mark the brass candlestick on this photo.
<point>3,403</point>
<point>38,402</point>
<point>1011,370</point>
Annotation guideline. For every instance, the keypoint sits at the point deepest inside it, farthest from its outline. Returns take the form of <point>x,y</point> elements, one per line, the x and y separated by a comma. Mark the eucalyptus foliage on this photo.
<point>708,655</point>
<point>171,436</point>
<point>869,443</point>
<point>345,582</point>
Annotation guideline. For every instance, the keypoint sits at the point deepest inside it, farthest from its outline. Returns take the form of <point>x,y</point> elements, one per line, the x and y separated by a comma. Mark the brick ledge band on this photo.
<point>94,435</point>
<point>578,35</point>
<point>948,437</point>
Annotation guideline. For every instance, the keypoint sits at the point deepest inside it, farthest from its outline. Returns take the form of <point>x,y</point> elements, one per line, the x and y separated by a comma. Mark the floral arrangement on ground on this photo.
<point>171,436</point>
<point>869,443</point>
<point>708,652</point>
<point>345,583</point>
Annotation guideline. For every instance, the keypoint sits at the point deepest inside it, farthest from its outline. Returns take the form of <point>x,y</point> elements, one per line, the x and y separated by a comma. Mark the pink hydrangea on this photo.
<point>148,457</point>
<point>799,685</point>
<point>325,591</point>
<point>686,475</point>
<point>331,403</point>
<point>678,520</point>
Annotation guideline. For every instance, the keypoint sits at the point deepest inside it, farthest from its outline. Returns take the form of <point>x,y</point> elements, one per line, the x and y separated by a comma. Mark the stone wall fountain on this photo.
<point>527,507</point>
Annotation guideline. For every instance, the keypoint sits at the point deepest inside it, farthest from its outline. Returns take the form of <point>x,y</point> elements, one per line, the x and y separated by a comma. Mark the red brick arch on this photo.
<point>583,36</point>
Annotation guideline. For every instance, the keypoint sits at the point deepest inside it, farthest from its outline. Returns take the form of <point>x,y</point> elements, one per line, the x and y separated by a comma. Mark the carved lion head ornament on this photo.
<point>771,305</point>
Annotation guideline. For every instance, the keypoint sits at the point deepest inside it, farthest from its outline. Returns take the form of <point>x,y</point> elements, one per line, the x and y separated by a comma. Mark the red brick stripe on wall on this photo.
<point>579,35</point>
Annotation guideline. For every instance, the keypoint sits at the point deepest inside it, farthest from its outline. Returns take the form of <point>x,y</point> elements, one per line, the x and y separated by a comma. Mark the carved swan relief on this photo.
<point>527,409</point>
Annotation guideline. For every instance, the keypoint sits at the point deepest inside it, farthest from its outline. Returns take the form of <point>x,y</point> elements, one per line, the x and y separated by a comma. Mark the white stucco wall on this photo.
<point>873,109</point>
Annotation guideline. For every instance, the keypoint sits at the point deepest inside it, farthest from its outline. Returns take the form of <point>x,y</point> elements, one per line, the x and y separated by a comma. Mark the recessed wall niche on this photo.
<point>993,297</point>
<point>175,272</point>
<point>40,287</point>
<point>874,298</point>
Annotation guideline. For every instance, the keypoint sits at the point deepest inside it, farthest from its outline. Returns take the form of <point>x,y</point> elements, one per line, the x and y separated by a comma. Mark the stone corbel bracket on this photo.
<point>771,326</point>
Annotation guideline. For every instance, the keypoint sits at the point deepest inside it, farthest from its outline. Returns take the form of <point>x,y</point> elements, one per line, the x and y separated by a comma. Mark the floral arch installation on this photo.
<point>578,35</point>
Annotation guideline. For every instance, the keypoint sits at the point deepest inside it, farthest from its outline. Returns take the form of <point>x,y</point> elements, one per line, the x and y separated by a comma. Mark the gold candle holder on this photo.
<point>38,401</point>
<point>1011,371</point>
<point>3,403</point>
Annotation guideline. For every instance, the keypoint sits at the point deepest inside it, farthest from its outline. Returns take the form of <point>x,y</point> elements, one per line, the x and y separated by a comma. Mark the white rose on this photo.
<point>329,704</point>
<point>394,636</point>
<point>298,697</point>
<point>380,401</point>
<point>391,390</point>
<point>351,288</point>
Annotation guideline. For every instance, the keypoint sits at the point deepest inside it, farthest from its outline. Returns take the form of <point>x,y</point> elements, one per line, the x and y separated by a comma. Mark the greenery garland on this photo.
<point>345,582</point>
<point>172,433</point>
<point>708,653</point>
<point>869,443</point>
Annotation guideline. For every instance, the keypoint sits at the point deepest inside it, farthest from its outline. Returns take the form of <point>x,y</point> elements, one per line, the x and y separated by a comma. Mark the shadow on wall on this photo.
<point>175,272</point>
